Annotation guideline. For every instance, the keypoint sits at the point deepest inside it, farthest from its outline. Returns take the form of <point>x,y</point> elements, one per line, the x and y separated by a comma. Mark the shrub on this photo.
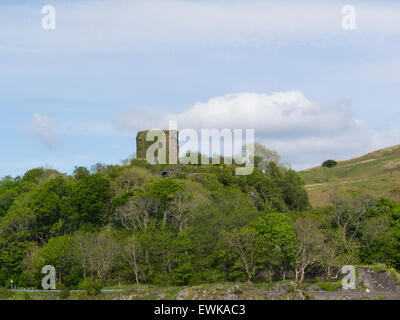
<point>209,181</point>
<point>5,294</point>
<point>65,292</point>
<point>329,163</point>
<point>27,296</point>
<point>92,287</point>
<point>330,286</point>
<point>142,163</point>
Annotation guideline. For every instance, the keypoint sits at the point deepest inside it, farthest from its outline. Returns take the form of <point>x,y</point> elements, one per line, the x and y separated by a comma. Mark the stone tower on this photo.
<point>171,136</point>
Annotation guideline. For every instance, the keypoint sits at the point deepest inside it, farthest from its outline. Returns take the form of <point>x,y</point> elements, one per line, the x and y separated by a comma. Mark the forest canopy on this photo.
<point>197,224</point>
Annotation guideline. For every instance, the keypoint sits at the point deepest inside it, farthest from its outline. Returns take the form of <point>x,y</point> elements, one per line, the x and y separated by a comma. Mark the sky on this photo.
<point>310,89</point>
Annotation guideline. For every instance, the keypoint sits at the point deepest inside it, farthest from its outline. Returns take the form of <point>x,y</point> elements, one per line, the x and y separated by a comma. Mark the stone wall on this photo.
<point>142,145</point>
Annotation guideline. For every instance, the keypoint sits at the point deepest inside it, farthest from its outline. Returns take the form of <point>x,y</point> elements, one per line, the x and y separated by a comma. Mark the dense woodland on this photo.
<point>196,224</point>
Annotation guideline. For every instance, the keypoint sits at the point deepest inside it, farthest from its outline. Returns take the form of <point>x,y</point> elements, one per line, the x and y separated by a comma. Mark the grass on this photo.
<point>377,172</point>
<point>217,291</point>
<point>152,292</point>
<point>330,286</point>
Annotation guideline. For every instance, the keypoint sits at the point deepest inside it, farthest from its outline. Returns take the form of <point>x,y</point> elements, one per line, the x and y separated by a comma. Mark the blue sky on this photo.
<point>77,95</point>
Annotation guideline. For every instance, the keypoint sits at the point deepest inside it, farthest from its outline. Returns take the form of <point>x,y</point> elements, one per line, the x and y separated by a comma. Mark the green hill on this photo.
<point>377,172</point>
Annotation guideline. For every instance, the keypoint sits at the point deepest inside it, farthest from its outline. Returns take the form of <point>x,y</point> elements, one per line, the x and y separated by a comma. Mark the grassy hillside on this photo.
<point>377,172</point>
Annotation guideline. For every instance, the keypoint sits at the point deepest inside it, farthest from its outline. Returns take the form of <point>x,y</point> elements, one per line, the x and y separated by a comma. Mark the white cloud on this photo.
<point>304,132</point>
<point>42,128</point>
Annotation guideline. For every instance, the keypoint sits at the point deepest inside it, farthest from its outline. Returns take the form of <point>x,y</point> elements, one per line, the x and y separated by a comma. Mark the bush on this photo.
<point>142,163</point>
<point>27,296</point>
<point>5,294</point>
<point>65,292</point>
<point>329,163</point>
<point>92,287</point>
<point>330,286</point>
<point>209,181</point>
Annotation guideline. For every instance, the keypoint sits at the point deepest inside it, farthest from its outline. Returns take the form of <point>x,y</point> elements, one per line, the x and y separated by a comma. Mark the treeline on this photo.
<point>197,224</point>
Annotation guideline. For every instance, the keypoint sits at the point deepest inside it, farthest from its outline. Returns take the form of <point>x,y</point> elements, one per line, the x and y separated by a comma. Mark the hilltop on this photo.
<point>377,172</point>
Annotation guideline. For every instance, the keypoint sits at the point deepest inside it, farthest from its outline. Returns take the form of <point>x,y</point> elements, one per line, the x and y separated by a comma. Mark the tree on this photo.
<point>9,190</point>
<point>129,179</point>
<point>376,239</point>
<point>294,192</point>
<point>58,253</point>
<point>98,168</point>
<point>335,254</point>
<point>138,213</point>
<point>277,241</point>
<point>18,225</point>
<point>34,175</point>
<point>80,173</point>
<point>81,251</point>
<point>11,258</point>
<point>91,199</point>
<point>329,163</point>
<point>269,187</point>
<point>263,156</point>
<point>164,257</point>
<point>162,190</point>
<point>30,274</point>
<point>309,246</point>
<point>180,209</point>
<point>96,253</point>
<point>40,175</point>
<point>244,243</point>
<point>348,213</point>
<point>51,205</point>
<point>131,252</point>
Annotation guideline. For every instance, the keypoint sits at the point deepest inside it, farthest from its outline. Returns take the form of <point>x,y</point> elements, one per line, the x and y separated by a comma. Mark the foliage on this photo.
<point>65,292</point>
<point>5,294</point>
<point>91,200</point>
<point>91,286</point>
<point>329,164</point>
<point>125,223</point>
<point>330,286</point>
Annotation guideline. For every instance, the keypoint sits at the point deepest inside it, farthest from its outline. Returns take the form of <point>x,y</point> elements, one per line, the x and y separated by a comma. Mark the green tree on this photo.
<point>80,173</point>
<point>162,188</point>
<point>51,205</point>
<point>329,163</point>
<point>9,190</point>
<point>58,253</point>
<point>244,243</point>
<point>96,253</point>
<point>91,199</point>
<point>132,252</point>
<point>11,258</point>
<point>166,259</point>
<point>263,156</point>
<point>294,192</point>
<point>310,245</point>
<point>277,242</point>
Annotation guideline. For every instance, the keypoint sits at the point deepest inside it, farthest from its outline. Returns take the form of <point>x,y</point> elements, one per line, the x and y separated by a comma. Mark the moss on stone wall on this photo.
<point>142,144</point>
